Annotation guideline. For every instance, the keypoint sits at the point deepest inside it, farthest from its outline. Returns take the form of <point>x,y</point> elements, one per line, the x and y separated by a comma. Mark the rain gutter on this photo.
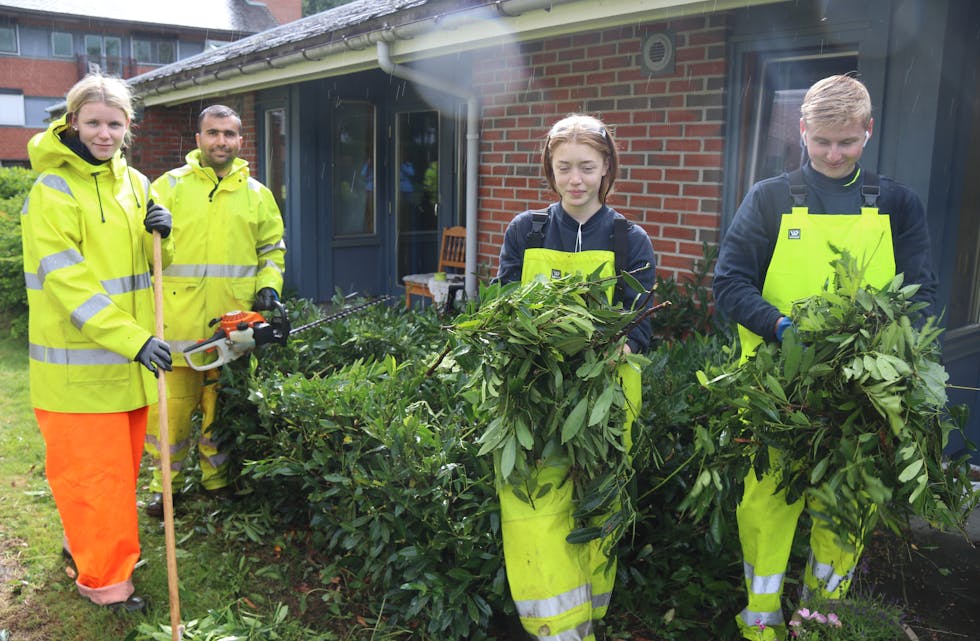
<point>472,150</point>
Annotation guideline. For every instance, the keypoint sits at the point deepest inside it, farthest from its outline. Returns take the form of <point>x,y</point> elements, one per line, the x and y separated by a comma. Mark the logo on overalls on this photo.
<point>795,234</point>
<point>555,273</point>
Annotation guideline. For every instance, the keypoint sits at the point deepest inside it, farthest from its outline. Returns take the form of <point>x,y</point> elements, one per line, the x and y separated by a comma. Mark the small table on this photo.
<point>444,292</point>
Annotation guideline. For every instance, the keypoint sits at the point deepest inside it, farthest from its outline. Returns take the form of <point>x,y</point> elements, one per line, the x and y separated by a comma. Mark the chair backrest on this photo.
<point>452,252</point>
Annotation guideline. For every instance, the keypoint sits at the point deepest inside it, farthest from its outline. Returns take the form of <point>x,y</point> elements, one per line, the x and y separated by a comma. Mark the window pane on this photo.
<point>93,48</point>
<point>772,111</point>
<point>62,45</point>
<point>166,53</point>
<point>8,39</point>
<point>417,154</point>
<point>354,170</point>
<point>275,155</point>
<point>12,109</point>
<point>143,51</point>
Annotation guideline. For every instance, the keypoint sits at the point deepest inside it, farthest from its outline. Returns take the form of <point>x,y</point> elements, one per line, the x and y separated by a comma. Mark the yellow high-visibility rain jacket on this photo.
<point>87,267</point>
<point>230,245</point>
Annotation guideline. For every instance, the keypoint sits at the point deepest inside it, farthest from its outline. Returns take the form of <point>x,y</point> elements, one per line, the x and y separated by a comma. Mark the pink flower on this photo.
<point>834,620</point>
<point>805,613</point>
<point>819,617</point>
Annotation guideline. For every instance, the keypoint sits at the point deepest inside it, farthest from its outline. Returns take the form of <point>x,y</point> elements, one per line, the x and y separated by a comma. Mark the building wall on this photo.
<point>164,135</point>
<point>669,130</point>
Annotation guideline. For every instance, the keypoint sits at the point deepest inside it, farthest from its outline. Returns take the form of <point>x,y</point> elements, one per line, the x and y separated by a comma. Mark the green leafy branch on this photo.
<point>543,359</point>
<point>850,409</point>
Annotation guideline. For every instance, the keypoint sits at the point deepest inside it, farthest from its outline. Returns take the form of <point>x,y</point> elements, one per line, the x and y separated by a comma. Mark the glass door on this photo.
<point>417,191</point>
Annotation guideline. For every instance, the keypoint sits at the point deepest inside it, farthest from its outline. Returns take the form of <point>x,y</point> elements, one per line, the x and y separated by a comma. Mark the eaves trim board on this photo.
<point>465,31</point>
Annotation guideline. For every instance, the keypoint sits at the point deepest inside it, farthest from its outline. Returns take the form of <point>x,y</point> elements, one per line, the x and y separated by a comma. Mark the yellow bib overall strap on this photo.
<point>559,588</point>
<point>800,264</point>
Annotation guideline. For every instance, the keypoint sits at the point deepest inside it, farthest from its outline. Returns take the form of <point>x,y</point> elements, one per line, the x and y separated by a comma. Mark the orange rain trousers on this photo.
<point>93,462</point>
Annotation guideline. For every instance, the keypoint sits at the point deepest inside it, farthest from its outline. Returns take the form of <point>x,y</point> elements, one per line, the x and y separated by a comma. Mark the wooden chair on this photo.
<point>452,260</point>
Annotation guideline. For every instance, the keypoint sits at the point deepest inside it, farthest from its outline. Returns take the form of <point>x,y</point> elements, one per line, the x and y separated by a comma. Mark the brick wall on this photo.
<point>51,78</point>
<point>669,130</point>
<point>164,135</point>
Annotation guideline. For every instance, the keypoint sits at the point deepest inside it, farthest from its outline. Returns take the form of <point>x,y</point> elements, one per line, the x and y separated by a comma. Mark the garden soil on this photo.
<point>936,580</point>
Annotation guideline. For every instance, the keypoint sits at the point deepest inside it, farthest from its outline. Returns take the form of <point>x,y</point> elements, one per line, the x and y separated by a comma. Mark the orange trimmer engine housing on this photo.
<point>237,321</point>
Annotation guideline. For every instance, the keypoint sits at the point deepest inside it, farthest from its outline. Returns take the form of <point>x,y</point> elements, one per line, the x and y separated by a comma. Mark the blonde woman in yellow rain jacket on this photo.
<point>87,264</point>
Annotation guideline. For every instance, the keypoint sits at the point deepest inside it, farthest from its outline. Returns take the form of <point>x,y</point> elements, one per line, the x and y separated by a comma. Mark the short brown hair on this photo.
<point>836,102</point>
<point>588,131</point>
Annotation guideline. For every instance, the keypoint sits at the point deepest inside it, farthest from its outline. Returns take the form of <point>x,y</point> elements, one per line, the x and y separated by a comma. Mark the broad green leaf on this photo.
<point>600,411</point>
<point>575,421</point>
<point>910,471</point>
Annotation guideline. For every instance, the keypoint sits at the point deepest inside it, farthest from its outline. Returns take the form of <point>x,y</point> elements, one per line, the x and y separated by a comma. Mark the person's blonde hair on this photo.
<point>836,101</point>
<point>98,88</point>
<point>587,131</point>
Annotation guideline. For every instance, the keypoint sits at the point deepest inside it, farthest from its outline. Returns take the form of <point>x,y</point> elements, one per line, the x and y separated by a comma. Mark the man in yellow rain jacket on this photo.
<point>777,252</point>
<point>230,256</point>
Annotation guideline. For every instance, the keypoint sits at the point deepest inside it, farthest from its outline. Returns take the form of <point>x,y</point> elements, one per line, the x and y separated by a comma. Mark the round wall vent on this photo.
<point>657,53</point>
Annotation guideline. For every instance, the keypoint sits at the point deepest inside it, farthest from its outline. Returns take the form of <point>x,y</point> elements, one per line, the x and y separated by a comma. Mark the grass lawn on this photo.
<point>38,598</point>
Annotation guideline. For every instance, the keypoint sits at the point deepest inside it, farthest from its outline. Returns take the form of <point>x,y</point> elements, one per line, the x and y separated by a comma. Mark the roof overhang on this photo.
<point>336,53</point>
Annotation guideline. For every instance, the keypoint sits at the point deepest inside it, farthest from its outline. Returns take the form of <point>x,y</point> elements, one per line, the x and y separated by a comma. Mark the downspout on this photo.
<point>472,151</point>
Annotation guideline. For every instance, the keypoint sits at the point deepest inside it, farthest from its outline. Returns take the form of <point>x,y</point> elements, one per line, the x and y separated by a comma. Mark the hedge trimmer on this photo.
<point>239,332</point>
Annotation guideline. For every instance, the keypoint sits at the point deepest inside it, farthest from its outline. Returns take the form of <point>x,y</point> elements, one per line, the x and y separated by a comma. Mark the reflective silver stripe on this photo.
<point>601,600</point>
<point>578,633</point>
<point>556,605</point>
<point>154,440</point>
<point>761,618</point>
<point>32,281</point>
<point>172,179</point>
<point>126,284</point>
<point>84,312</point>
<point>64,356</point>
<point>23,209</point>
<point>55,182</point>
<point>824,573</point>
<point>213,271</point>
<point>254,185</point>
<point>65,258</point>
<point>271,265</point>
<point>763,583</point>
<point>265,249</point>
<point>217,460</point>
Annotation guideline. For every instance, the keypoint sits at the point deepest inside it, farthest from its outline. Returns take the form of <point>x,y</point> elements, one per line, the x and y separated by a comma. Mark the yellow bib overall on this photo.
<point>559,588</point>
<point>800,267</point>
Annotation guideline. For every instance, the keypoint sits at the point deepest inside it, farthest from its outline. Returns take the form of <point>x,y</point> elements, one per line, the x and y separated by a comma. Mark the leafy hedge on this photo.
<point>352,435</point>
<point>15,184</point>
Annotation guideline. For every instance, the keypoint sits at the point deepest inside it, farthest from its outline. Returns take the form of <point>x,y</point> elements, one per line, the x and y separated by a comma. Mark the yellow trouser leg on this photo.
<point>549,578</point>
<point>187,391</point>
<point>214,464</point>
<point>766,527</point>
<point>831,566</point>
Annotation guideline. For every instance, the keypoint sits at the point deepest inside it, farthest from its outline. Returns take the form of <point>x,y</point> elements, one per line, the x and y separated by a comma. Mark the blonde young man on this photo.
<point>230,255</point>
<point>777,251</point>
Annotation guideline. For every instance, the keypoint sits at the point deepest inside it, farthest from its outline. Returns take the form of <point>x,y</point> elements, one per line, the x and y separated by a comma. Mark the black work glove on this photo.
<point>265,298</point>
<point>155,353</point>
<point>158,218</point>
